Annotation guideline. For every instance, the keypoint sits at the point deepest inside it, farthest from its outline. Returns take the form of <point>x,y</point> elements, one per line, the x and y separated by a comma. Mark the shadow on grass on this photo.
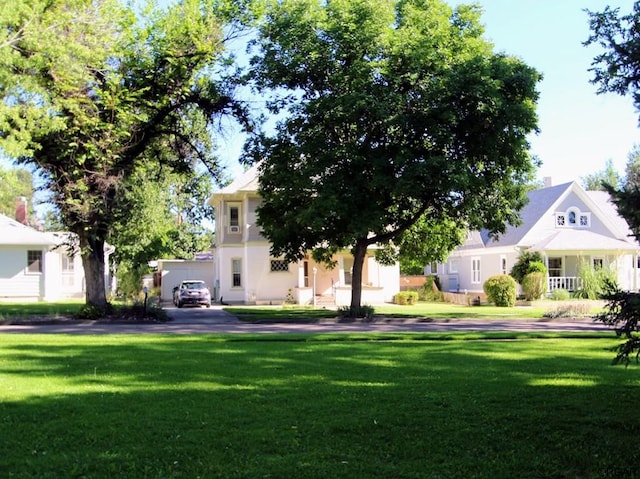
<point>165,406</point>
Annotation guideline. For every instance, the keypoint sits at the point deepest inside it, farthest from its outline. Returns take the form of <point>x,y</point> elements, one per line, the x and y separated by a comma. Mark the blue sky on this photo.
<point>579,130</point>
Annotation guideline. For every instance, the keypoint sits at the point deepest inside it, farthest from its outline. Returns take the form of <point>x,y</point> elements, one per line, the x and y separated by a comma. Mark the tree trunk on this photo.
<point>93,264</point>
<point>359,254</point>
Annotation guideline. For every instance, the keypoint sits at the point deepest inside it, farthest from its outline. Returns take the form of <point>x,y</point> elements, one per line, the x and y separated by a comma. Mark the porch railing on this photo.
<point>570,283</point>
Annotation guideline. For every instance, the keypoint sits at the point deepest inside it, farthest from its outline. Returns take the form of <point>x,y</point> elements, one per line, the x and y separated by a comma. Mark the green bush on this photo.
<point>348,313</point>
<point>534,285</point>
<point>523,265</point>
<point>560,295</point>
<point>596,283</point>
<point>406,297</point>
<point>431,290</point>
<point>501,290</point>
<point>537,267</point>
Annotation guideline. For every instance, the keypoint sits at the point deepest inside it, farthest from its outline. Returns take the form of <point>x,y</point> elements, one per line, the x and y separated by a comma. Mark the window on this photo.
<point>234,219</point>
<point>347,264</point>
<point>67,270</point>
<point>279,266</point>
<point>475,270</point>
<point>503,264</point>
<point>433,268</point>
<point>453,265</point>
<point>555,267</point>
<point>34,261</point>
<point>236,273</point>
<point>598,263</point>
<point>573,218</point>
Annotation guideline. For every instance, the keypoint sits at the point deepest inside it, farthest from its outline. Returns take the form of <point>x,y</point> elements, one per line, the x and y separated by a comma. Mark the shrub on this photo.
<point>348,313</point>
<point>560,295</point>
<point>501,290</point>
<point>596,283</point>
<point>522,266</point>
<point>537,267</point>
<point>572,309</point>
<point>431,291</point>
<point>406,297</point>
<point>534,285</point>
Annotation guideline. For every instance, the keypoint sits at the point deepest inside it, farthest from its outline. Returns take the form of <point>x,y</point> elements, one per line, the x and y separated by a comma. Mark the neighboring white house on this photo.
<point>245,271</point>
<point>36,266</point>
<point>569,226</point>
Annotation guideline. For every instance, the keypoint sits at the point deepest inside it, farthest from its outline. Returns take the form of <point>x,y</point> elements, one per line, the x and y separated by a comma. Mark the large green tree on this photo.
<point>617,70</point>
<point>396,111</point>
<point>92,90</point>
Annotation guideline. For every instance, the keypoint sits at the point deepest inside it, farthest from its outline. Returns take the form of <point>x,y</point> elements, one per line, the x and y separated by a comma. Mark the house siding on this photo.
<point>15,281</point>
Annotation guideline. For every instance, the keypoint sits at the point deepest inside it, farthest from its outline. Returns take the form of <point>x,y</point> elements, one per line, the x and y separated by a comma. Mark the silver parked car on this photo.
<point>192,291</point>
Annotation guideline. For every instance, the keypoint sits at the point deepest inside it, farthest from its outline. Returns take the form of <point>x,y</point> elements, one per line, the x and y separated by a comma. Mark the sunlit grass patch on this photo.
<point>316,407</point>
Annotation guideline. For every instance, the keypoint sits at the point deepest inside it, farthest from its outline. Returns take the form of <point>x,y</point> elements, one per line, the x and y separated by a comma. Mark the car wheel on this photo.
<point>208,305</point>
<point>179,305</point>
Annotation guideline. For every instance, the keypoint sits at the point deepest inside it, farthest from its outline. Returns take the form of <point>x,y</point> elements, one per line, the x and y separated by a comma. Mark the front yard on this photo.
<point>275,406</point>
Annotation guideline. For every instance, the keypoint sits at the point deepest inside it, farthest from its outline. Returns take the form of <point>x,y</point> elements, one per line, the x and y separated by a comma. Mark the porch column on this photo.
<point>301,274</point>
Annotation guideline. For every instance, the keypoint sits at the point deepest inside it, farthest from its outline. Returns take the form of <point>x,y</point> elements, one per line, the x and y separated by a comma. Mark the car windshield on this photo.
<point>198,285</point>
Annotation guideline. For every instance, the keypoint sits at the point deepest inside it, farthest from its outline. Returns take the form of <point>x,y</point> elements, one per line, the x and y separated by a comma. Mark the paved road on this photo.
<point>215,320</point>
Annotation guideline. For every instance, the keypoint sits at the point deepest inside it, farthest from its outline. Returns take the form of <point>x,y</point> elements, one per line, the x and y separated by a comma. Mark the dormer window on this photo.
<point>233,211</point>
<point>573,218</point>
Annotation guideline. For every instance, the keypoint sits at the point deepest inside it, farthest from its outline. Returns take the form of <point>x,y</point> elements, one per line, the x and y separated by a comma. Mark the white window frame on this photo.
<point>34,261</point>
<point>233,224</point>
<point>236,270</point>
<point>475,270</point>
<point>503,264</point>
<point>454,265</point>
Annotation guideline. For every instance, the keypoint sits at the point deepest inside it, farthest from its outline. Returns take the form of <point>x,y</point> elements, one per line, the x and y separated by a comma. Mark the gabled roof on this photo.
<point>15,233</point>
<point>540,201</point>
<point>545,201</point>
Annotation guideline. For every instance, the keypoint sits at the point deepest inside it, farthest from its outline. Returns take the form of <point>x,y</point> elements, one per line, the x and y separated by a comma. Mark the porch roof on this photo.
<point>582,240</point>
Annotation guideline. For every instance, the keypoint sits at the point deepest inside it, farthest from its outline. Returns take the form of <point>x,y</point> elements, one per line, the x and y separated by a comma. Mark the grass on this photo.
<point>53,310</point>
<point>325,406</point>
<point>420,310</point>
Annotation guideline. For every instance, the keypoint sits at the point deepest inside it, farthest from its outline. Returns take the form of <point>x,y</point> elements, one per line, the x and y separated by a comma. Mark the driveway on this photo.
<point>196,320</point>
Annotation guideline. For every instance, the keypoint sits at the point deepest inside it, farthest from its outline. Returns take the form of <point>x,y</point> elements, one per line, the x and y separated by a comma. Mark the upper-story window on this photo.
<point>234,218</point>
<point>573,218</point>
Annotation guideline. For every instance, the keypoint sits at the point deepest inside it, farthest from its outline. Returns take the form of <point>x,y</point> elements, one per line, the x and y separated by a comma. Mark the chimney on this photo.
<point>21,210</point>
<point>547,182</point>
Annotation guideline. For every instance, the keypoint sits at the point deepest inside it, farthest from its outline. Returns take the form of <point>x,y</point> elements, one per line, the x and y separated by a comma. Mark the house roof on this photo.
<point>540,201</point>
<point>581,240</point>
<point>15,233</point>
<point>545,200</point>
<point>247,181</point>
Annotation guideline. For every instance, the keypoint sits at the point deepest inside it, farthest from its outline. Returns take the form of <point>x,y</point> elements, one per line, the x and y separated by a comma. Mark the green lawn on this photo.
<point>53,310</point>
<point>420,310</point>
<point>326,406</point>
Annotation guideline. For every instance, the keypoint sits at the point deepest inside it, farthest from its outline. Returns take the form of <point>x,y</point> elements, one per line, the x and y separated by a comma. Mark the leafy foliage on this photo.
<point>14,182</point>
<point>522,267</point>
<point>534,284</point>
<point>406,297</point>
<point>598,181</point>
<point>94,90</point>
<point>596,282</point>
<point>501,290</point>
<point>397,112</point>
<point>623,312</point>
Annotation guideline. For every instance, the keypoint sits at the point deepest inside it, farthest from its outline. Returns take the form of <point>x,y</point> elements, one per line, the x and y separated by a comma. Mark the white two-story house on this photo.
<point>245,272</point>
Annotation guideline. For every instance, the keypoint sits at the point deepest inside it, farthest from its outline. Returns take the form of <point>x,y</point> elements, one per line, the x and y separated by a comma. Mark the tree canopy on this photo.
<point>14,183</point>
<point>597,181</point>
<point>94,90</point>
<point>617,70</point>
<point>396,111</point>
